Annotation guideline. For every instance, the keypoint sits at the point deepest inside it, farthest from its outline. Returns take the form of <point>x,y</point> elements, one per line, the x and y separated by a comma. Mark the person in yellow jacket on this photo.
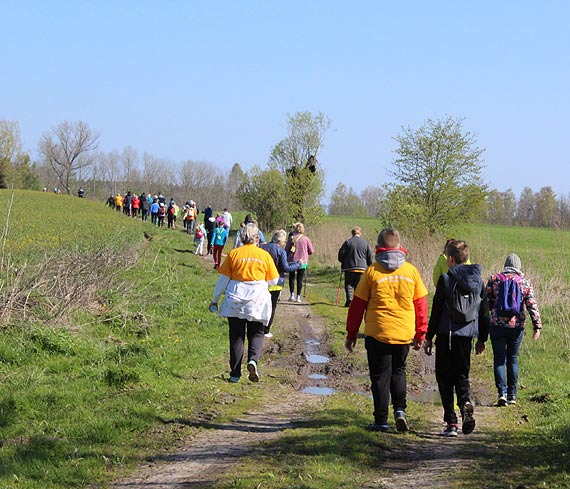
<point>392,299</point>
<point>119,202</point>
<point>244,278</point>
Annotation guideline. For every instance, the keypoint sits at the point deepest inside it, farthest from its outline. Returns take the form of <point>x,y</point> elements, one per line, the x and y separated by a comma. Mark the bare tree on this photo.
<point>67,148</point>
<point>130,162</point>
<point>10,147</point>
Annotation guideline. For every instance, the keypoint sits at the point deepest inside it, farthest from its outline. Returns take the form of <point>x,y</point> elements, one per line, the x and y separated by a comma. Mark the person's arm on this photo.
<point>484,322</point>
<point>220,288</point>
<point>342,252</point>
<point>353,319</point>
<point>533,311</point>
<point>421,310</point>
<point>369,256</point>
<point>283,264</point>
<point>438,270</point>
<point>436,311</point>
<point>310,248</point>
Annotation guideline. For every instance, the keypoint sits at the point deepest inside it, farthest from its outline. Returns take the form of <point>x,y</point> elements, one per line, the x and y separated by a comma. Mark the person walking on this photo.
<point>441,263</point>
<point>199,239</point>
<point>299,247</point>
<point>275,249</point>
<point>392,299</point>
<point>219,241</point>
<point>154,208</point>
<point>355,256</point>
<point>145,207</point>
<point>227,217</point>
<point>244,278</point>
<point>460,312</point>
<point>511,298</point>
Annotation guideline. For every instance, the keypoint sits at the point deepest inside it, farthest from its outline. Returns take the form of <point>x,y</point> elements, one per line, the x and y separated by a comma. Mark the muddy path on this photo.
<point>300,346</point>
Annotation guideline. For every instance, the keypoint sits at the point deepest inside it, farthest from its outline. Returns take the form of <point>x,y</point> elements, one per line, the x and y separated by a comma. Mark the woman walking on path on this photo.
<point>244,278</point>
<point>508,318</point>
<point>199,238</point>
<point>275,249</point>
<point>298,248</point>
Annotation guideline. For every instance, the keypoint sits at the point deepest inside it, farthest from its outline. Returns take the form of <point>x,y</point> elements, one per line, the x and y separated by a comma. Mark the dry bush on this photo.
<point>423,250</point>
<point>51,289</point>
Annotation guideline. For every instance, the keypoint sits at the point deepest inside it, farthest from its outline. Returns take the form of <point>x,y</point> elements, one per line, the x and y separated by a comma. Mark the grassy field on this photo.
<point>93,390</point>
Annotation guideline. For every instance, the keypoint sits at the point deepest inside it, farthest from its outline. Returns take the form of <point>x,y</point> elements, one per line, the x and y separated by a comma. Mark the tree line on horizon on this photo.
<point>436,178</point>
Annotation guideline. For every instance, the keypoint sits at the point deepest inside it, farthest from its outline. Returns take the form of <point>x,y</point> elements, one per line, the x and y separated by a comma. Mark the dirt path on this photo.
<point>300,335</point>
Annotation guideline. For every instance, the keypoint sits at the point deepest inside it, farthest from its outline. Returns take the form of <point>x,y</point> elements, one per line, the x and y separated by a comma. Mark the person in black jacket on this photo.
<point>460,312</point>
<point>355,256</point>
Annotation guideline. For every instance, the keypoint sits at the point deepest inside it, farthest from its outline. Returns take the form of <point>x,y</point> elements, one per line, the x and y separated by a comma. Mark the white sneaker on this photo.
<point>268,335</point>
<point>292,298</point>
<point>298,298</point>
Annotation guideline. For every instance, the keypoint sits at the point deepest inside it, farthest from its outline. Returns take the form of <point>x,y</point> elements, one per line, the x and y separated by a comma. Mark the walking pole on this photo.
<point>305,280</point>
<point>338,290</point>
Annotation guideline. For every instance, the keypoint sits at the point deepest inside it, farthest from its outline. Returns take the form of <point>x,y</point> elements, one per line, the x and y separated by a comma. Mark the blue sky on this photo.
<point>215,80</point>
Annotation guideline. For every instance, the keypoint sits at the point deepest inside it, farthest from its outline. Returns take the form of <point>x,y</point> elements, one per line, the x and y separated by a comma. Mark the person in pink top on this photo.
<point>298,248</point>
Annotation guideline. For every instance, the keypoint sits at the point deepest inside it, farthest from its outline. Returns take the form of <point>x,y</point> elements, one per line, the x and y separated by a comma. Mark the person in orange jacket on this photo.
<point>392,299</point>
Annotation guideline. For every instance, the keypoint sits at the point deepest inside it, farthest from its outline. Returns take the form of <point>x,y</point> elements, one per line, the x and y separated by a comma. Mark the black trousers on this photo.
<point>387,366</point>
<point>452,367</point>
<point>351,280</point>
<point>238,329</point>
<point>299,275</point>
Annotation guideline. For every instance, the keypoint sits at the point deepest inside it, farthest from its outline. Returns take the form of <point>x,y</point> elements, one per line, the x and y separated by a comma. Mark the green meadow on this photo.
<point>139,363</point>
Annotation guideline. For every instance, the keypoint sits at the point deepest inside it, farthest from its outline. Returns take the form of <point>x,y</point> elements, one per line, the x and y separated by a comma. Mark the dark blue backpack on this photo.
<point>509,301</point>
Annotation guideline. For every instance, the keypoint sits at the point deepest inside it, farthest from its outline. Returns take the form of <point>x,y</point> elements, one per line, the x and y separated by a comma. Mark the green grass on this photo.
<point>90,396</point>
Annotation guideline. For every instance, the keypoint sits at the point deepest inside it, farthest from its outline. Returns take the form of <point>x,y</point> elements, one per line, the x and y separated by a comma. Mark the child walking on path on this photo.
<point>393,301</point>
<point>199,238</point>
<point>219,241</point>
<point>459,313</point>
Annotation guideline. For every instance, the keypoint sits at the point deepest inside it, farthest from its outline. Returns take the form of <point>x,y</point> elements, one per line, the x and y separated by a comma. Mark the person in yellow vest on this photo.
<point>119,202</point>
<point>244,278</point>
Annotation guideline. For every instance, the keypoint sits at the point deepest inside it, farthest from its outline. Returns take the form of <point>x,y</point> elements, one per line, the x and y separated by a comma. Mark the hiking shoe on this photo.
<point>502,401</point>
<point>298,298</point>
<point>252,369</point>
<point>511,401</point>
<point>468,420</point>
<point>401,421</point>
<point>377,427</point>
<point>450,430</point>
<point>292,298</point>
<point>268,335</point>
<point>233,380</point>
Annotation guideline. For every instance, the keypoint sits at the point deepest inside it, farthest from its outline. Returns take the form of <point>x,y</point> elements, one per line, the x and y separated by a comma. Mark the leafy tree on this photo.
<point>345,202</point>
<point>24,173</point>
<point>501,207</point>
<point>374,200</point>
<point>545,207</point>
<point>296,158</point>
<point>526,207</point>
<point>264,194</point>
<point>67,149</point>
<point>236,179</point>
<point>438,171</point>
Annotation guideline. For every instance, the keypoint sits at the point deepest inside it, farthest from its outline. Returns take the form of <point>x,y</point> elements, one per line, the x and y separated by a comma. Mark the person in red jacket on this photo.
<point>392,299</point>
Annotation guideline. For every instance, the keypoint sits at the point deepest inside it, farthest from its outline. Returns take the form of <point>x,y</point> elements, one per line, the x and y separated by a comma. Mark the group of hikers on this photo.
<point>388,293</point>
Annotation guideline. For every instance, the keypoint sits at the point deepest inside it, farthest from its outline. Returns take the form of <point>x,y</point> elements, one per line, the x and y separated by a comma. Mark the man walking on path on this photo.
<point>393,301</point>
<point>355,256</point>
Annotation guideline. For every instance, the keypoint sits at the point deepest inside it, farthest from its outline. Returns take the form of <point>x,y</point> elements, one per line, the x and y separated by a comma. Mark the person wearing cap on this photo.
<point>355,256</point>
<point>507,332</point>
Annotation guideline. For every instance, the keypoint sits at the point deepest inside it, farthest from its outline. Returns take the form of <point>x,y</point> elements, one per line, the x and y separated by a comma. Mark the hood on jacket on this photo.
<point>467,276</point>
<point>391,259</point>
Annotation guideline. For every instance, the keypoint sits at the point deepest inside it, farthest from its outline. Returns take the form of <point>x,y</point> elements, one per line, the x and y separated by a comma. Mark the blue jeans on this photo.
<point>506,343</point>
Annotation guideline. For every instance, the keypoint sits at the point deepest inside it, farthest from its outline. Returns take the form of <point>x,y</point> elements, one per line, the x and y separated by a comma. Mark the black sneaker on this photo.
<point>377,427</point>
<point>450,430</point>
<point>468,420</point>
<point>401,421</point>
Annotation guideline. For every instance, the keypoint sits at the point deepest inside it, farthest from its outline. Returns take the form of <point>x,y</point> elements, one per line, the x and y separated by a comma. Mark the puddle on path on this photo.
<point>315,358</point>
<point>319,391</point>
<point>317,377</point>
